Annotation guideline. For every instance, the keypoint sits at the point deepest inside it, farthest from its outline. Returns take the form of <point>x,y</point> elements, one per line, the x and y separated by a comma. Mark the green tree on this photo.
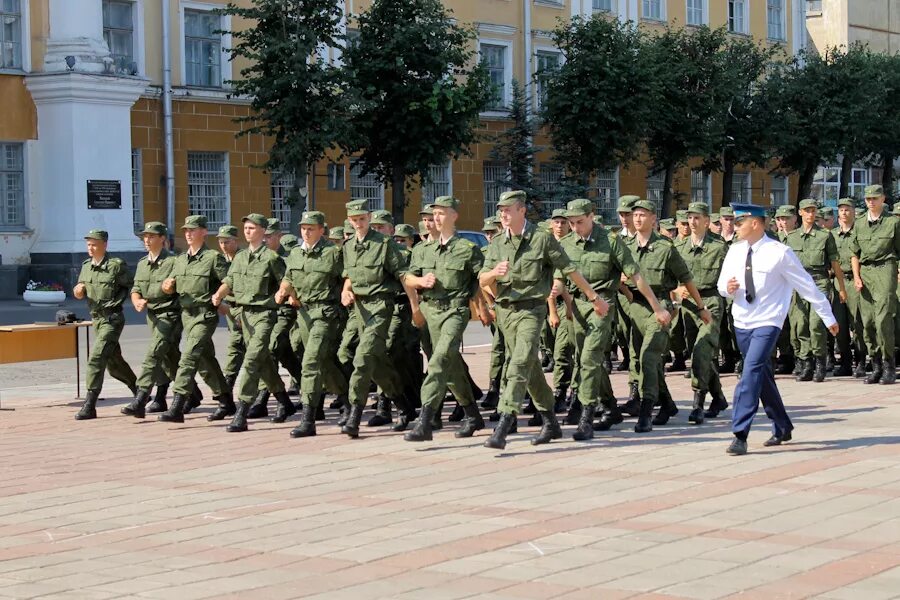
<point>884,141</point>
<point>597,103</point>
<point>420,91</point>
<point>688,80</point>
<point>741,132</point>
<point>296,100</point>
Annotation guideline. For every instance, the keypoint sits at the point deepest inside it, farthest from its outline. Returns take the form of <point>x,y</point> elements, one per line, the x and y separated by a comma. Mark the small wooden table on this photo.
<point>45,341</point>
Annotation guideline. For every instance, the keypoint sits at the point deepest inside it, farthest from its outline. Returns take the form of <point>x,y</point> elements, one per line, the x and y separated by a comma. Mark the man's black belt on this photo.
<point>446,303</point>
<point>521,304</point>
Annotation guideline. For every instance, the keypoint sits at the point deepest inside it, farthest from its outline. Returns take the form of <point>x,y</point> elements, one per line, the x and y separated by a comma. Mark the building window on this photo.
<point>827,184</point>
<point>695,12</point>
<point>10,34</point>
<point>495,175</point>
<point>118,33</point>
<point>551,176</point>
<point>740,188</point>
<point>208,187</point>
<point>12,186</point>
<point>775,17</point>
<point>547,64</point>
<point>607,194</point>
<point>137,192</point>
<point>737,16</point>
<point>653,9</point>
<point>656,183</point>
<point>437,182</point>
<point>814,6</point>
<point>602,5</point>
<point>336,177</point>
<point>202,48</point>
<point>282,184</point>
<point>493,57</point>
<point>366,186</point>
<point>779,193</point>
<point>700,187</point>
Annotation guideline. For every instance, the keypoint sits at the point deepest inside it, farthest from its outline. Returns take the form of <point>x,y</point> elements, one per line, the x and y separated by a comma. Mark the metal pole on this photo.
<point>168,137</point>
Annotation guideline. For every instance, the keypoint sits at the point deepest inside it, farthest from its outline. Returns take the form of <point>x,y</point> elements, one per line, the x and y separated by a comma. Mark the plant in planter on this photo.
<point>39,293</point>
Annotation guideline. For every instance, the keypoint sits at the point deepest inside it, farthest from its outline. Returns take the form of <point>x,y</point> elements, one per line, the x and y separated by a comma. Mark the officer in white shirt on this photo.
<point>760,274</point>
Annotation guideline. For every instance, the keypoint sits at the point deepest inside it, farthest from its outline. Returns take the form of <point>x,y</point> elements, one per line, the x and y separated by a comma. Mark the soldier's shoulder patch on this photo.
<point>86,261</point>
<point>116,261</point>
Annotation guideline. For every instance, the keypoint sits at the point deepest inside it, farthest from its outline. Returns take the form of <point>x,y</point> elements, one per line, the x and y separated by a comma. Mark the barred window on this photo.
<point>202,48</point>
<point>281,186</point>
<point>437,182</point>
<point>208,187</point>
<point>10,34</point>
<point>494,59</point>
<point>700,191</point>
<point>366,186</point>
<point>495,174</point>
<point>656,183</point>
<point>551,176</point>
<point>740,188</point>
<point>137,192</point>
<point>779,193</point>
<point>336,177</point>
<point>12,186</point>
<point>118,32</point>
<point>607,195</point>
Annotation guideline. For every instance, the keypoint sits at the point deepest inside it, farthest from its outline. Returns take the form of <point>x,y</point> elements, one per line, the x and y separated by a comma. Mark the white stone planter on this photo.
<point>44,298</point>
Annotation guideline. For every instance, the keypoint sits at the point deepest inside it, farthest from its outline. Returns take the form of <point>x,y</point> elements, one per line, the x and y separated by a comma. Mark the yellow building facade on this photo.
<point>70,131</point>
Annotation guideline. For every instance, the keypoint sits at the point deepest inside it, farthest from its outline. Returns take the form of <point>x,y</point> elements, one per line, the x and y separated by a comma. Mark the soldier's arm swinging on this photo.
<point>663,317</point>
<point>705,315</point>
<point>857,278</point>
<point>220,294</point>
<point>347,297</point>
<point>839,273</point>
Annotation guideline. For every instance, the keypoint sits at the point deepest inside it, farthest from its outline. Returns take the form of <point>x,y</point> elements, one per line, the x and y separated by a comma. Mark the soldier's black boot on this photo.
<point>644,424</point>
<point>260,407</point>
<point>550,430</point>
<point>472,423</point>
<point>559,399</point>
<point>530,409</point>
<point>678,364</point>
<point>667,409</point>
<point>477,392</point>
<point>877,371</point>
<point>421,432</point>
<point>345,414</point>
<point>798,367</point>
<point>696,416</point>
<point>458,413</point>
<point>889,376</point>
<point>175,414</point>
<point>89,408</point>
<point>239,422</point>
<point>136,408</point>
<point>624,365</point>
<point>320,408</point>
<point>226,408</point>
<point>285,407</point>
<point>307,426</point>
<point>436,423</point>
<point>351,427</point>
<point>819,373</point>
<point>159,400</point>
<point>294,389</point>
<point>503,428</point>
<point>829,362</point>
<point>807,370</point>
<point>717,405</point>
<point>844,368</point>
<point>610,417</point>
<point>382,414</point>
<point>585,429</point>
<point>573,417</point>
<point>786,366</point>
<point>406,413</point>
<point>492,398</point>
<point>194,401</point>
<point>633,406</point>
<point>860,371</point>
<point>230,380</point>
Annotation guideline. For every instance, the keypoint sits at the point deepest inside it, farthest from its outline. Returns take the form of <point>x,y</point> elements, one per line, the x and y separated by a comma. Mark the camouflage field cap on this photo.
<point>808,203</point>
<point>273,226</point>
<point>785,210</point>
<point>667,224</point>
<point>404,230</point>
<point>313,217</point>
<point>336,233</point>
<point>558,213</point>
<point>195,222</point>
<point>681,216</point>
<point>511,198</point>
<point>846,202</point>
<point>382,217</point>
<point>428,209</point>
<point>727,212</point>
<point>97,234</point>
<point>644,205</point>
<point>579,207</point>
<point>155,228</point>
<point>227,231</point>
<point>289,241</point>
<point>873,191</point>
<point>357,208</point>
<point>714,217</point>
<point>446,202</point>
<point>489,225</point>
<point>626,203</point>
<point>825,212</point>
<point>257,219</point>
<point>700,208</point>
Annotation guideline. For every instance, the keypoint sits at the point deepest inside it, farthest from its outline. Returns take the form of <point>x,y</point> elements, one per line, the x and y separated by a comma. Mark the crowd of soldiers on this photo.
<point>349,310</point>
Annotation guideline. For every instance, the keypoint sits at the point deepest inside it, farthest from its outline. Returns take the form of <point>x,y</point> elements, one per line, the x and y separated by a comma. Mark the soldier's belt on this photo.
<point>164,312</point>
<point>256,307</point>
<point>604,293</point>
<point>197,309</point>
<point>318,303</point>
<point>104,313</point>
<point>521,304</point>
<point>880,263</point>
<point>386,297</point>
<point>709,292</point>
<point>446,303</point>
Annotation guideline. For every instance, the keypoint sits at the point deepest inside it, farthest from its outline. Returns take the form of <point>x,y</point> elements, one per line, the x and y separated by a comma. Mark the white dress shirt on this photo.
<point>777,273</point>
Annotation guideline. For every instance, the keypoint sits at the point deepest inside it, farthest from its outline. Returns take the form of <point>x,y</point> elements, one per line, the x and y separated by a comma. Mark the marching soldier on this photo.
<point>498,345</point>
<point>848,315</point>
<point>788,341</point>
<point>105,282</point>
<point>663,268</point>
<point>518,271</point>
<point>602,259</point>
<point>818,253</point>
<point>876,248</point>
<point>562,332</point>
<point>253,278</point>
<point>195,276</point>
<point>446,271</point>
<point>313,284</point>
<point>371,262</point>
<point>703,253</point>
<point>234,353</point>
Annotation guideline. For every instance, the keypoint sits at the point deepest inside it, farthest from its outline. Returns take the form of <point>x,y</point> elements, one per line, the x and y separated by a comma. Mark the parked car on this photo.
<point>474,236</point>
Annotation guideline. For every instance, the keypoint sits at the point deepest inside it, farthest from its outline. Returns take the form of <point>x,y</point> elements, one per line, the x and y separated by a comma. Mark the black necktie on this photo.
<point>750,292</point>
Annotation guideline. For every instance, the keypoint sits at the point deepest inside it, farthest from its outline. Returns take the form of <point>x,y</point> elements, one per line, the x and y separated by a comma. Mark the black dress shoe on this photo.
<point>737,447</point>
<point>776,440</point>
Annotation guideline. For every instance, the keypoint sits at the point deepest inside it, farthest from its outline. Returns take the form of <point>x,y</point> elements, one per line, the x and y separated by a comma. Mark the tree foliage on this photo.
<point>420,91</point>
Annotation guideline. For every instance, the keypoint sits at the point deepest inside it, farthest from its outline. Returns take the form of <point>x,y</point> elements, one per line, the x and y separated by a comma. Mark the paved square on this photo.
<point>117,507</point>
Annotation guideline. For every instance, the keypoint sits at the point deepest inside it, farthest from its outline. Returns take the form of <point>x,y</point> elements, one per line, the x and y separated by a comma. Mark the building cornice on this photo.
<point>496,28</point>
<point>88,88</point>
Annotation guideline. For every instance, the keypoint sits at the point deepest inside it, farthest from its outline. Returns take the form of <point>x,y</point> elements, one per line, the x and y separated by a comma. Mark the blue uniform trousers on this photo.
<point>758,383</point>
